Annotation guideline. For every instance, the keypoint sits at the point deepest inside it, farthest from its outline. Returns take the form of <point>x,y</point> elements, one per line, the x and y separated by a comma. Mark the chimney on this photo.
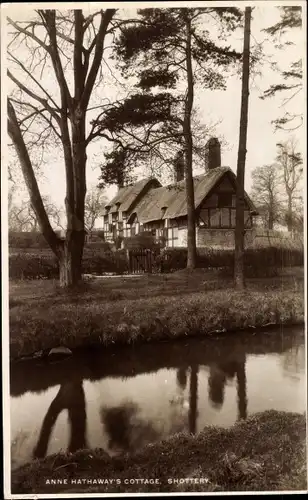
<point>179,166</point>
<point>212,154</point>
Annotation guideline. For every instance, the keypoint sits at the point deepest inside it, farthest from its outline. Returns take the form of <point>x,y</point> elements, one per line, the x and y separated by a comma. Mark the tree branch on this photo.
<point>99,49</point>
<point>79,76</point>
<point>34,96</point>
<point>29,34</point>
<point>30,180</point>
<point>34,79</point>
<point>49,19</point>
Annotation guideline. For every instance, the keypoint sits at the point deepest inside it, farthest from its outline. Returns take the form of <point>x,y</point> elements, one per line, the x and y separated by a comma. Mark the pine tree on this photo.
<point>241,160</point>
<point>292,76</point>
<point>168,52</point>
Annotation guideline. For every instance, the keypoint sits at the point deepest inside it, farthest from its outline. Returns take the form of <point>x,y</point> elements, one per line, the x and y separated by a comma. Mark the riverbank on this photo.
<point>264,453</point>
<point>125,311</point>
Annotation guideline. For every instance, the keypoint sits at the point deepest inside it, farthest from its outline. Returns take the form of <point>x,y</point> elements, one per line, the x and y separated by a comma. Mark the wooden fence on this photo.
<point>142,261</point>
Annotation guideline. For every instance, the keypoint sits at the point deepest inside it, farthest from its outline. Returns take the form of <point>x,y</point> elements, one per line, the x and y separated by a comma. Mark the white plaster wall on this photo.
<point>182,238</point>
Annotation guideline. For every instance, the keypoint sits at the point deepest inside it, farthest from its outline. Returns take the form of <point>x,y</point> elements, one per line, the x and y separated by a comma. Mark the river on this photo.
<point>123,398</point>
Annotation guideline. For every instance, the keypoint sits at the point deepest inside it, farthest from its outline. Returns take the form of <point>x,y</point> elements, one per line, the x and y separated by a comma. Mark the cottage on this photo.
<point>149,206</point>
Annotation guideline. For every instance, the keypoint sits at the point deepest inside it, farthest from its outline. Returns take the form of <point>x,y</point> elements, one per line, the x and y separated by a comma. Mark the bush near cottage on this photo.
<point>144,240</point>
<point>258,261</point>
<point>99,258</point>
<point>38,265</point>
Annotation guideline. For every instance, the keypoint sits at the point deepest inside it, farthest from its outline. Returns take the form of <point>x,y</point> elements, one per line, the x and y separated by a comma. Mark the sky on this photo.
<point>214,106</point>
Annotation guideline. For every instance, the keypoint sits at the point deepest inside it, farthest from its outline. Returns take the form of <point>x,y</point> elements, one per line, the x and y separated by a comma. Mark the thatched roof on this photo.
<point>170,201</point>
<point>126,196</point>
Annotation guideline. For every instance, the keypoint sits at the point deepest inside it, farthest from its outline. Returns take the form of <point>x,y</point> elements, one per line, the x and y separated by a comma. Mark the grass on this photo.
<point>264,453</point>
<point>126,310</point>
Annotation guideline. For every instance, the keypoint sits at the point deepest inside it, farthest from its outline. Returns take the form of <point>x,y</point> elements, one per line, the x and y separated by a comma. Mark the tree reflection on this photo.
<point>126,430</point>
<point>219,374</point>
<point>181,377</point>
<point>293,361</point>
<point>193,399</point>
<point>241,391</point>
<point>71,397</point>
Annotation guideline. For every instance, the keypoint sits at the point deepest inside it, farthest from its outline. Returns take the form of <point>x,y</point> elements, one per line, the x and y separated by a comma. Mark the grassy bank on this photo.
<point>127,310</point>
<point>265,452</point>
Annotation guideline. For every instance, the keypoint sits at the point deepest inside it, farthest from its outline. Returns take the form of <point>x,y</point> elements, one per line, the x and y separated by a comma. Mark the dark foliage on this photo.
<point>291,17</point>
<point>153,52</point>
<point>258,262</point>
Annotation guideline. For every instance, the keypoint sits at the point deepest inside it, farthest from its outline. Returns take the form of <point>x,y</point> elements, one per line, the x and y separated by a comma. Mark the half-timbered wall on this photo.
<point>218,210</point>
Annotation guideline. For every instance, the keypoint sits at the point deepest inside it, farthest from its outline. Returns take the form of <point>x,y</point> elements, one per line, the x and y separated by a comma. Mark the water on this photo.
<point>121,399</point>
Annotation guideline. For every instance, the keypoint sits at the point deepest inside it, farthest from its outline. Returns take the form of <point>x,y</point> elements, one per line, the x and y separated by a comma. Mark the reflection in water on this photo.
<point>126,430</point>
<point>193,399</point>
<point>219,374</point>
<point>181,377</point>
<point>293,362</point>
<point>241,391</point>
<point>71,397</point>
<point>121,400</point>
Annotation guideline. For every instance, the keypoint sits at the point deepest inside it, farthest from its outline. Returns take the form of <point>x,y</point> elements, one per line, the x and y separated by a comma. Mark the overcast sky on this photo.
<point>220,106</point>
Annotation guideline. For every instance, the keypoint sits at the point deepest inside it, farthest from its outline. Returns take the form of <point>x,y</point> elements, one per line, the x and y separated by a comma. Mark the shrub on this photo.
<point>32,266</point>
<point>144,240</point>
<point>258,261</point>
<point>27,240</point>
<point>113,262</point>
<point>104,246</point>
<point>100,259</point>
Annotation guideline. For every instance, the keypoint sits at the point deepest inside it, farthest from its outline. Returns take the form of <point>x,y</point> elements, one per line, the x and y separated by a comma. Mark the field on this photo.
<point>145,308</point>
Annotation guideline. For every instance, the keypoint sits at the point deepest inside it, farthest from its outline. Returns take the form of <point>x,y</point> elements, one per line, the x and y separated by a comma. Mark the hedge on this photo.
<point>27,240</point>
<point>32,266</point>
<point>173,259</point>
<point>144,240</point>
<point>258,262</point>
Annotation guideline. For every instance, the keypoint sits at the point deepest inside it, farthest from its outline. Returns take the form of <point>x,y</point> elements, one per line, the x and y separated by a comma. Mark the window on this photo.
<point>224,200</point>
<point>172,236</point>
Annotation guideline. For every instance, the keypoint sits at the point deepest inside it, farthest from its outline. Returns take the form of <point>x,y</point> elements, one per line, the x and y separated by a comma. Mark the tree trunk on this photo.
<point>190,195</point>
<point>270,220</point>
<point>70,259</point>
<point>290,214</point>
<point>240,189</point>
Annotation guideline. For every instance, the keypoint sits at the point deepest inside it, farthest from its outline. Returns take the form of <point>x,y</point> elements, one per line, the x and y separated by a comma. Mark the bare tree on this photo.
<point>22,217</point>
<point>70,47</point>
<point>241,159</point>
<point>95,202</point>
<point>290,164</point>
<point>265,193</point>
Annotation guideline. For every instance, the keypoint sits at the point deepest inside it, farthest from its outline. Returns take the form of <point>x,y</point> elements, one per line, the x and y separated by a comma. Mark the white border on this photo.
<point>7,8</point>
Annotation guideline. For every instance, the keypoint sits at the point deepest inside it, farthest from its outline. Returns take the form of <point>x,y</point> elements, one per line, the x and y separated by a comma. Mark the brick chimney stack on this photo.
<point>179,165</point>
<point>212,154</point>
